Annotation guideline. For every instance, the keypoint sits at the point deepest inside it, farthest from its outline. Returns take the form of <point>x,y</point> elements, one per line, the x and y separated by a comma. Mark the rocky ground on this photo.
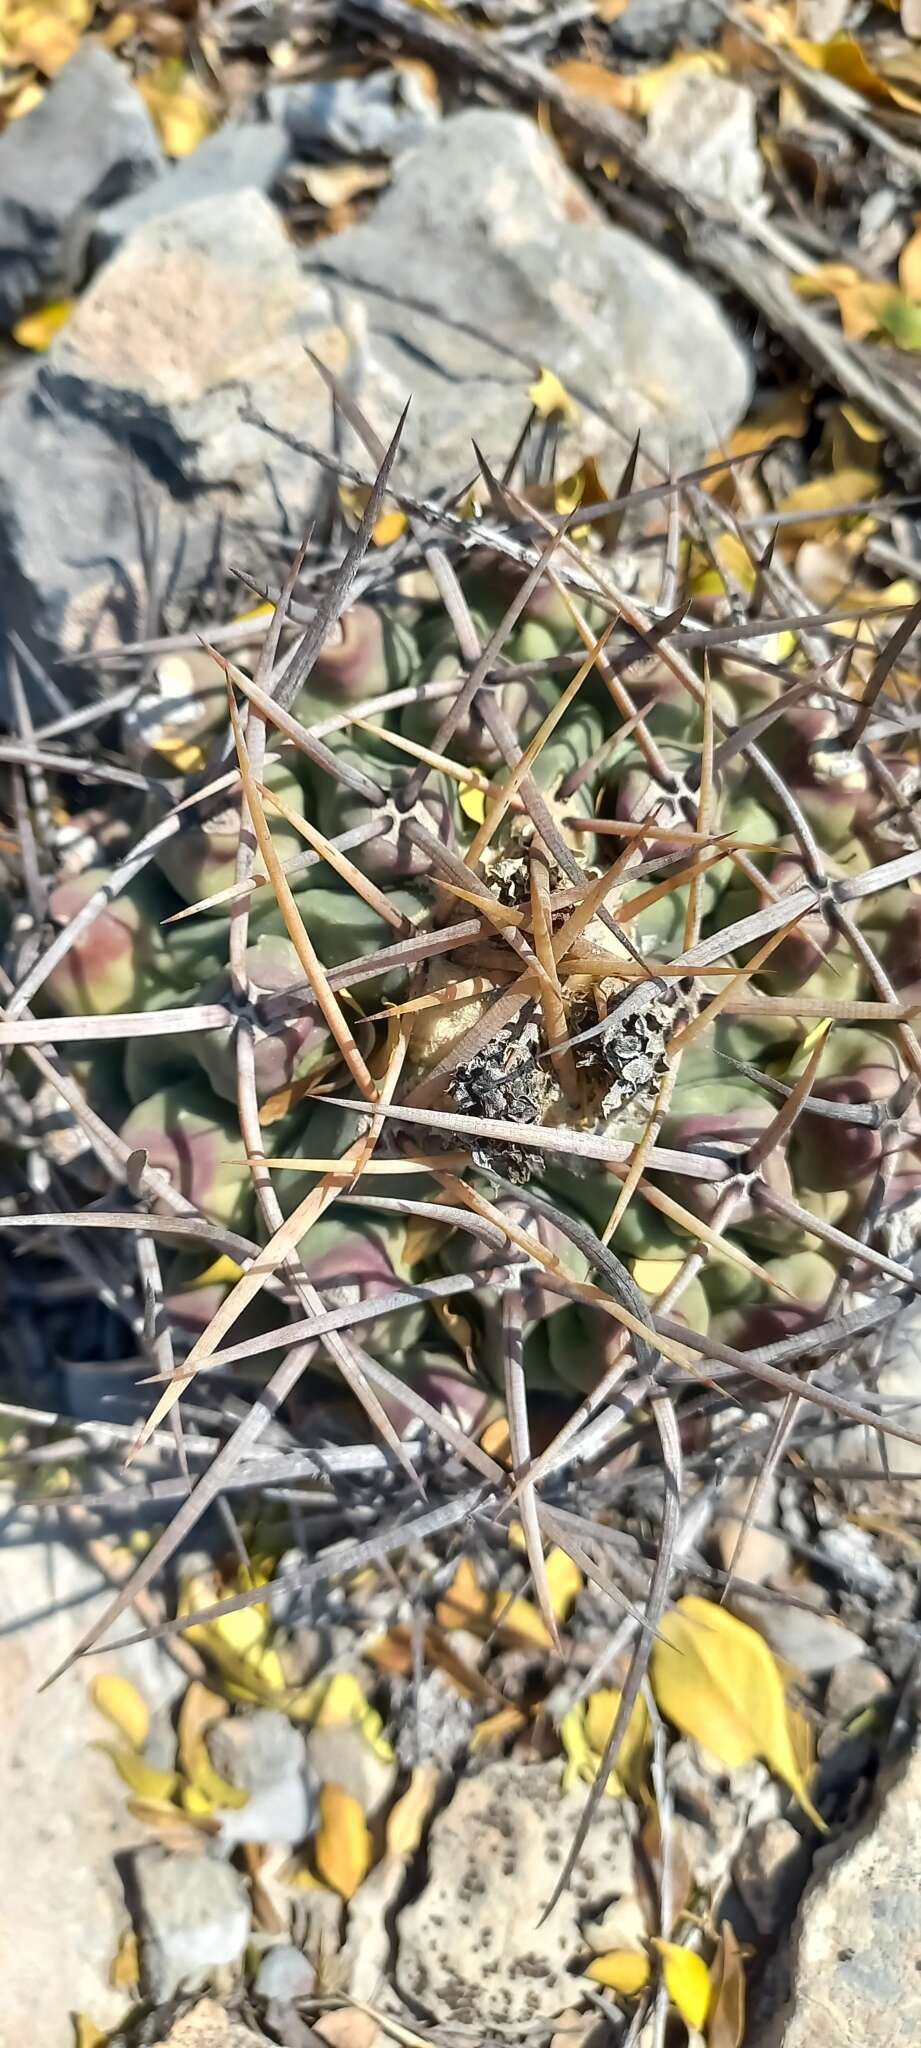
<point>690,222</point>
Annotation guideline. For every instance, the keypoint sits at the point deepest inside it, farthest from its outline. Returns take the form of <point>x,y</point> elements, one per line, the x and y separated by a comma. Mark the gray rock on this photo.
<point>819,20</point>
<point>854,1555</point>
<point>89,143</point>
<point>898,1382</point>
<point>714,1807</point>
<point>651,28</point>
<point>64,1810</point>
<point>855,1686</point>
<point>341,1755</point>
<point>769,1871</point>
<point>375,116</point>
<point>815,1643</point>
<point>486,259</point>
<point>187,356</point>
<point>242,156</point>
<point>208,2025</point>
<point>474,1944</point>
<point>364,1958</point>
<point>199,316</point>
<point>701,134</point>
<point>856,1964</point>
<point>193,1915</point>
<point>285,1974</point>
<point>437,1729</point>
<point>264,1755</point>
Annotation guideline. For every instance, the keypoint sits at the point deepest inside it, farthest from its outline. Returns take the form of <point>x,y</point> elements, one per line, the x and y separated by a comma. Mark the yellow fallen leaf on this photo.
<point>212,1791</point>
<point>564,1583</point>
<point>406,1820</point>
<point>338,1702</point>
<point>435,7</point>
<point>28,97</point>
<point>637,91</point>
<point>496,1728</point>
<point>145,1780</point>
<point>584,1733</point>
<point>583,75</point>
<point>496,1441</point>
<point>865,306</point>
<point>648,85</point>
<point>176,1828</point>
<point>257,611</point>
<point>843,57</point>
<point>624,1970</point>
<point>342,1849</point>
<point>784,416</point>
<point>387,527</point>
<point>125,1969</point>
<point>45,34</point>
<point>341,1700</point>
<point>465,1605</point>
<point>223,1271</point>
<point>581,1761</point>
<point>118,29</point>
<point>187,757</point>
<point>472,802</point>
<point>850,439</point>
<point>823,494</point>
<point>195,1802</point>
<point>121,1703</point>
<point>37,330</point>
<point>237,1643</point>
<point>86,2032</point>
<point>182,112</point>
<point>687,1981</point>
<point>518,1620</point>
<point>733,562</point>
<point>716,1680</point>
<point>549,397</point>
<point>635,1750</point>
<point>726,2017</point>
<point>910,266</point>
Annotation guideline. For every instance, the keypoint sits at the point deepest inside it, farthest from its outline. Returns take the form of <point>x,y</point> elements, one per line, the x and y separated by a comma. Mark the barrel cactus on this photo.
<point>633,927</point>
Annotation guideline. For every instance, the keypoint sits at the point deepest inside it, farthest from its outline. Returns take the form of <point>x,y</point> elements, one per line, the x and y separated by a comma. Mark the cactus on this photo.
<point>595,772</point>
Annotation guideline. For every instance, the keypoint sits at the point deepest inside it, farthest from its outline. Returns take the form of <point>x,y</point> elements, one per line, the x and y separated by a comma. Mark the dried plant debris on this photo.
<point>505,1081</point>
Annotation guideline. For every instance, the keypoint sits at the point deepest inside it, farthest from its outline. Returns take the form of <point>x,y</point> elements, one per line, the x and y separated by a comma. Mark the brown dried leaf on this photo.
<point>726,2023</point>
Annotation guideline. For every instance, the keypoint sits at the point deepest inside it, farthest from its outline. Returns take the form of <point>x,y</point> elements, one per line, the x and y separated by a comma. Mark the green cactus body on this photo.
<point>593,771</point>
<point>200,859</point>
<point>194,1138</point>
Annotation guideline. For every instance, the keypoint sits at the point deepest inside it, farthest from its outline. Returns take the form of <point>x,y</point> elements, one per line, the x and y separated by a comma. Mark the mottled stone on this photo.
<point>474,1946</point>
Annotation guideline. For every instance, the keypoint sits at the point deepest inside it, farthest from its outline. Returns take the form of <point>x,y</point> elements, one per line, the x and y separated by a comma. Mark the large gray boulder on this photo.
<point>146,395</point>
<point>183,379</point>
<point>89,143</point>
<point>485,260</point>
<point>242,156</point>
